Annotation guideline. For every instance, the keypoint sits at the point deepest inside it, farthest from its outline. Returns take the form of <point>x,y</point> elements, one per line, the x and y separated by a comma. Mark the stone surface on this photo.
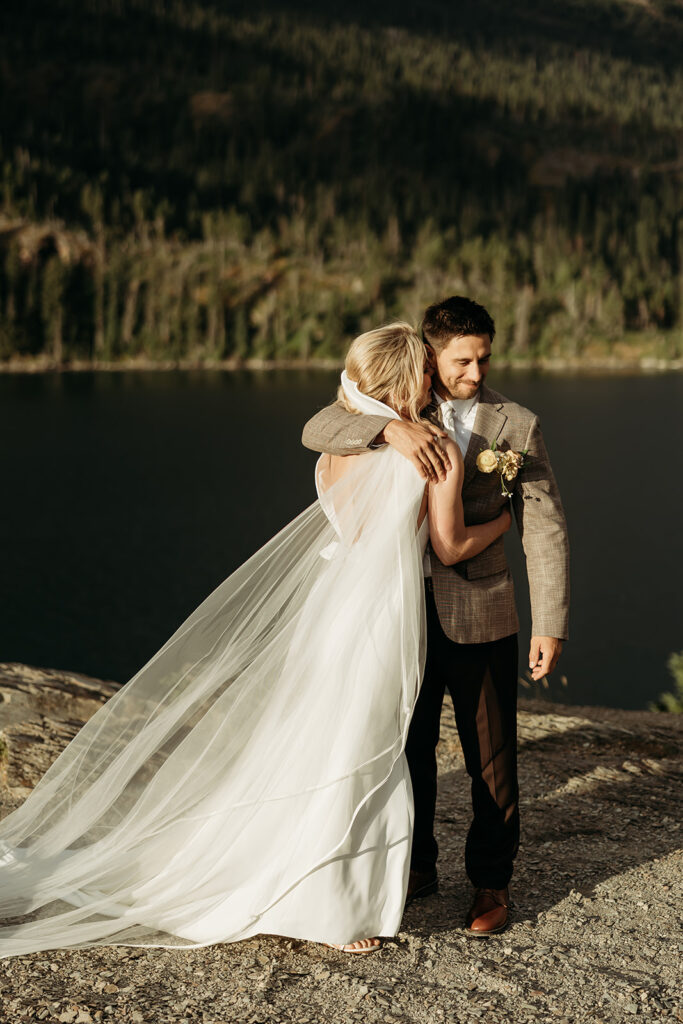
<point>597,896</point>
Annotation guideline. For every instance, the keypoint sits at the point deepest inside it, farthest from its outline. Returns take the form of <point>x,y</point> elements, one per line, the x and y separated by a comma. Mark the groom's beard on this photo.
<point>459,390</point>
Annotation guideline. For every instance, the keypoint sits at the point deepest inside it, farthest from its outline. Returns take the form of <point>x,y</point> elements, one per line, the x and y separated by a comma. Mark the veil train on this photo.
<point>251,776</point>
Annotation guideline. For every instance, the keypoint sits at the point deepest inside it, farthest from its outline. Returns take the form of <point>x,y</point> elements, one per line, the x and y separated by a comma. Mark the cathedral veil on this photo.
<point>230,770</point>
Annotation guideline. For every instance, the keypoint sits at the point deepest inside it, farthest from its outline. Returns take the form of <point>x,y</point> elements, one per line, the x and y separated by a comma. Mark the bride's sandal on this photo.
<point>357,947</point>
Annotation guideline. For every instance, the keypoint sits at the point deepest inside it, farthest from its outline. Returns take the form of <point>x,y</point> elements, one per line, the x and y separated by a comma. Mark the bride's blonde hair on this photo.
<point>388,364</point>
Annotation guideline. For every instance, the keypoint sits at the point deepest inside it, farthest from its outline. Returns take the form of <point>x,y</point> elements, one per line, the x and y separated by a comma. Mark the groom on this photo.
<point>471,617</point>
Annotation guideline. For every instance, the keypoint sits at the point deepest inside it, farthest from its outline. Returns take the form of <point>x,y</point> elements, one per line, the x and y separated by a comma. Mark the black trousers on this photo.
<point>482,682</point>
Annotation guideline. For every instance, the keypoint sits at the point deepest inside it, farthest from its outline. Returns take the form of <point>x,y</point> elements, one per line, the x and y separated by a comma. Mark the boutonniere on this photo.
<point>506,464</point>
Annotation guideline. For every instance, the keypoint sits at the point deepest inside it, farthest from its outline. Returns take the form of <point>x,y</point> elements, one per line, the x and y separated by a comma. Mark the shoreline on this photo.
<point>644,365</point>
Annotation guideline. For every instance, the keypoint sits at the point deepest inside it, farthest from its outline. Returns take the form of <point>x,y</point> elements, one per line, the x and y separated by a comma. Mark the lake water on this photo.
<point>127,497</point>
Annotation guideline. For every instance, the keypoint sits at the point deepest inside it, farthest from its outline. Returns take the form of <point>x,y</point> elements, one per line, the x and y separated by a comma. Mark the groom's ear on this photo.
<point>431,358</point>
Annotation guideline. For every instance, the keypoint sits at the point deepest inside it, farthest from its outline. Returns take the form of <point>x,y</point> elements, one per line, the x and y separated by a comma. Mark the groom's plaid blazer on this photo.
<point>475,599</point>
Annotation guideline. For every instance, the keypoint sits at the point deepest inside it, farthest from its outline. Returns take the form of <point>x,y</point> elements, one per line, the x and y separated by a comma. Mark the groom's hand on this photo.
<point>418,443</point>
<point>544,653</point>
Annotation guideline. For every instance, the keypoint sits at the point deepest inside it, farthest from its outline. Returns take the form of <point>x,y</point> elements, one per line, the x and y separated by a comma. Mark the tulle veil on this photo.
<point>242,761</point>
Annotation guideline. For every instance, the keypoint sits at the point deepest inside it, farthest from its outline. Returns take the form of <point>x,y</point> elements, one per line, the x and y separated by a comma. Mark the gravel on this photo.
<point>596,933</point>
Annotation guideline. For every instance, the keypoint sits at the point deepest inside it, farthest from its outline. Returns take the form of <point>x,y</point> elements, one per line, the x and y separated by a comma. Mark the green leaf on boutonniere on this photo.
<point>494,445</point>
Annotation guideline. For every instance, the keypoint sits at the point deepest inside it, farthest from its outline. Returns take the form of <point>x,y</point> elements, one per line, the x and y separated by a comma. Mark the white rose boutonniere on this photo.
<point>506,464</point>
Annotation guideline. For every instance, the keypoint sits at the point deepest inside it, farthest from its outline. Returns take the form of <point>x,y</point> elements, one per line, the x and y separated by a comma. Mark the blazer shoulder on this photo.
<point>513,410</point>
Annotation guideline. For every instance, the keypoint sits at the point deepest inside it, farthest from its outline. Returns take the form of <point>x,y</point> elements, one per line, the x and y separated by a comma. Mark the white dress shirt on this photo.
<point>458,416</point>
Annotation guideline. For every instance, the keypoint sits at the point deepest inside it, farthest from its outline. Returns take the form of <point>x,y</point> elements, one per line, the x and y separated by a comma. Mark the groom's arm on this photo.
<point>336,431</point>
<point>542,526</point>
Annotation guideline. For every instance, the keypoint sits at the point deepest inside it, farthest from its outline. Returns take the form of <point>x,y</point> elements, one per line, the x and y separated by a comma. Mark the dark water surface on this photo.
<point>127,497</point>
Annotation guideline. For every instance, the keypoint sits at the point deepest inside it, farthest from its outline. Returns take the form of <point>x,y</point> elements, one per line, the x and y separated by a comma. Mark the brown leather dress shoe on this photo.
<point>421,883</point>
<point>489,913</point>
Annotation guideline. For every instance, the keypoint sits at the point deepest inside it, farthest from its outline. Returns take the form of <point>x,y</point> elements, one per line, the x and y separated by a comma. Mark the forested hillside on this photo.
<point>202,179</point>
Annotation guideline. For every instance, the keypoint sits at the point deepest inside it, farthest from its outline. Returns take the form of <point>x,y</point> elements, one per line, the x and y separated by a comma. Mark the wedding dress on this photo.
<point>251,778</point>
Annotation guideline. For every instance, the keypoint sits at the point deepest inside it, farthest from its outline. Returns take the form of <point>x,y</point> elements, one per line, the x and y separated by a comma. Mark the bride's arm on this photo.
<point>451,540</point>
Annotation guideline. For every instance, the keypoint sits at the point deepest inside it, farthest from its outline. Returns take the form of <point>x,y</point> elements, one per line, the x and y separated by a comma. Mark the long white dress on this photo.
<point>251,778</point>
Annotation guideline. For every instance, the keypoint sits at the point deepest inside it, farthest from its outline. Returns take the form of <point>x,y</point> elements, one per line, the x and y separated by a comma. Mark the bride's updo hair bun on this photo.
<point>388,364</point>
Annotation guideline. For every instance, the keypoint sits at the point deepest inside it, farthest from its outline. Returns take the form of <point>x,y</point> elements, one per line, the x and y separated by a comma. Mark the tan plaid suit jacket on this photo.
<point>475,599</point>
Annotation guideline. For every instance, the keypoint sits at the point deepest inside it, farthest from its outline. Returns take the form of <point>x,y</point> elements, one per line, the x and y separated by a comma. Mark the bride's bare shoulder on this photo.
<point>453,452</point>
<point>332,468</point>
<point>339,465</point>
<point>455,473</point>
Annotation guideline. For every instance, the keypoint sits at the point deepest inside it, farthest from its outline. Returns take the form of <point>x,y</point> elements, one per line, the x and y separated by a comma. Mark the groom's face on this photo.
<point>461,366</point>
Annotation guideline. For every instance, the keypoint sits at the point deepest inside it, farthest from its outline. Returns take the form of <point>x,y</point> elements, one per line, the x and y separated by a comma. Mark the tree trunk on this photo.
<point>520,344</point>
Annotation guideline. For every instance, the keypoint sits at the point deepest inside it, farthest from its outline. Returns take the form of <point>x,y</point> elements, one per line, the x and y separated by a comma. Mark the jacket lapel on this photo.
<point>433,413</point>
<point>488,424</point>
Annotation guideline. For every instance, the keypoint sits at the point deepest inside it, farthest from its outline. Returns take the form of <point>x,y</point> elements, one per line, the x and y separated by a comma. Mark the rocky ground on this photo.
<point>596,934</point>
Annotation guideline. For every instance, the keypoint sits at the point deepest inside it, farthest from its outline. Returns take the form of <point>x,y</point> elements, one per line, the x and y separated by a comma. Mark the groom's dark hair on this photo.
<point>455,318</point>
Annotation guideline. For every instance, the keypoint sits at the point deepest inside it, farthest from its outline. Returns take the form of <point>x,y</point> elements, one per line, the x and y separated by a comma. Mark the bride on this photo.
<point>251,777</point>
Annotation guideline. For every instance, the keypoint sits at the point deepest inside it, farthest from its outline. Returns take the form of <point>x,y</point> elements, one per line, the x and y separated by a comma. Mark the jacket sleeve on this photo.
<point>337,431</point>
<point>542,526</point>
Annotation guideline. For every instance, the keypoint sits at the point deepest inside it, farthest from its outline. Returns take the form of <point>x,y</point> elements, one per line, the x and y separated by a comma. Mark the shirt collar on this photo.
<point>461,406</point>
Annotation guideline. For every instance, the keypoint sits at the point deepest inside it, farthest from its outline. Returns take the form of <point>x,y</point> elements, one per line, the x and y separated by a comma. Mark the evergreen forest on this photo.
<point>208,180</point>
